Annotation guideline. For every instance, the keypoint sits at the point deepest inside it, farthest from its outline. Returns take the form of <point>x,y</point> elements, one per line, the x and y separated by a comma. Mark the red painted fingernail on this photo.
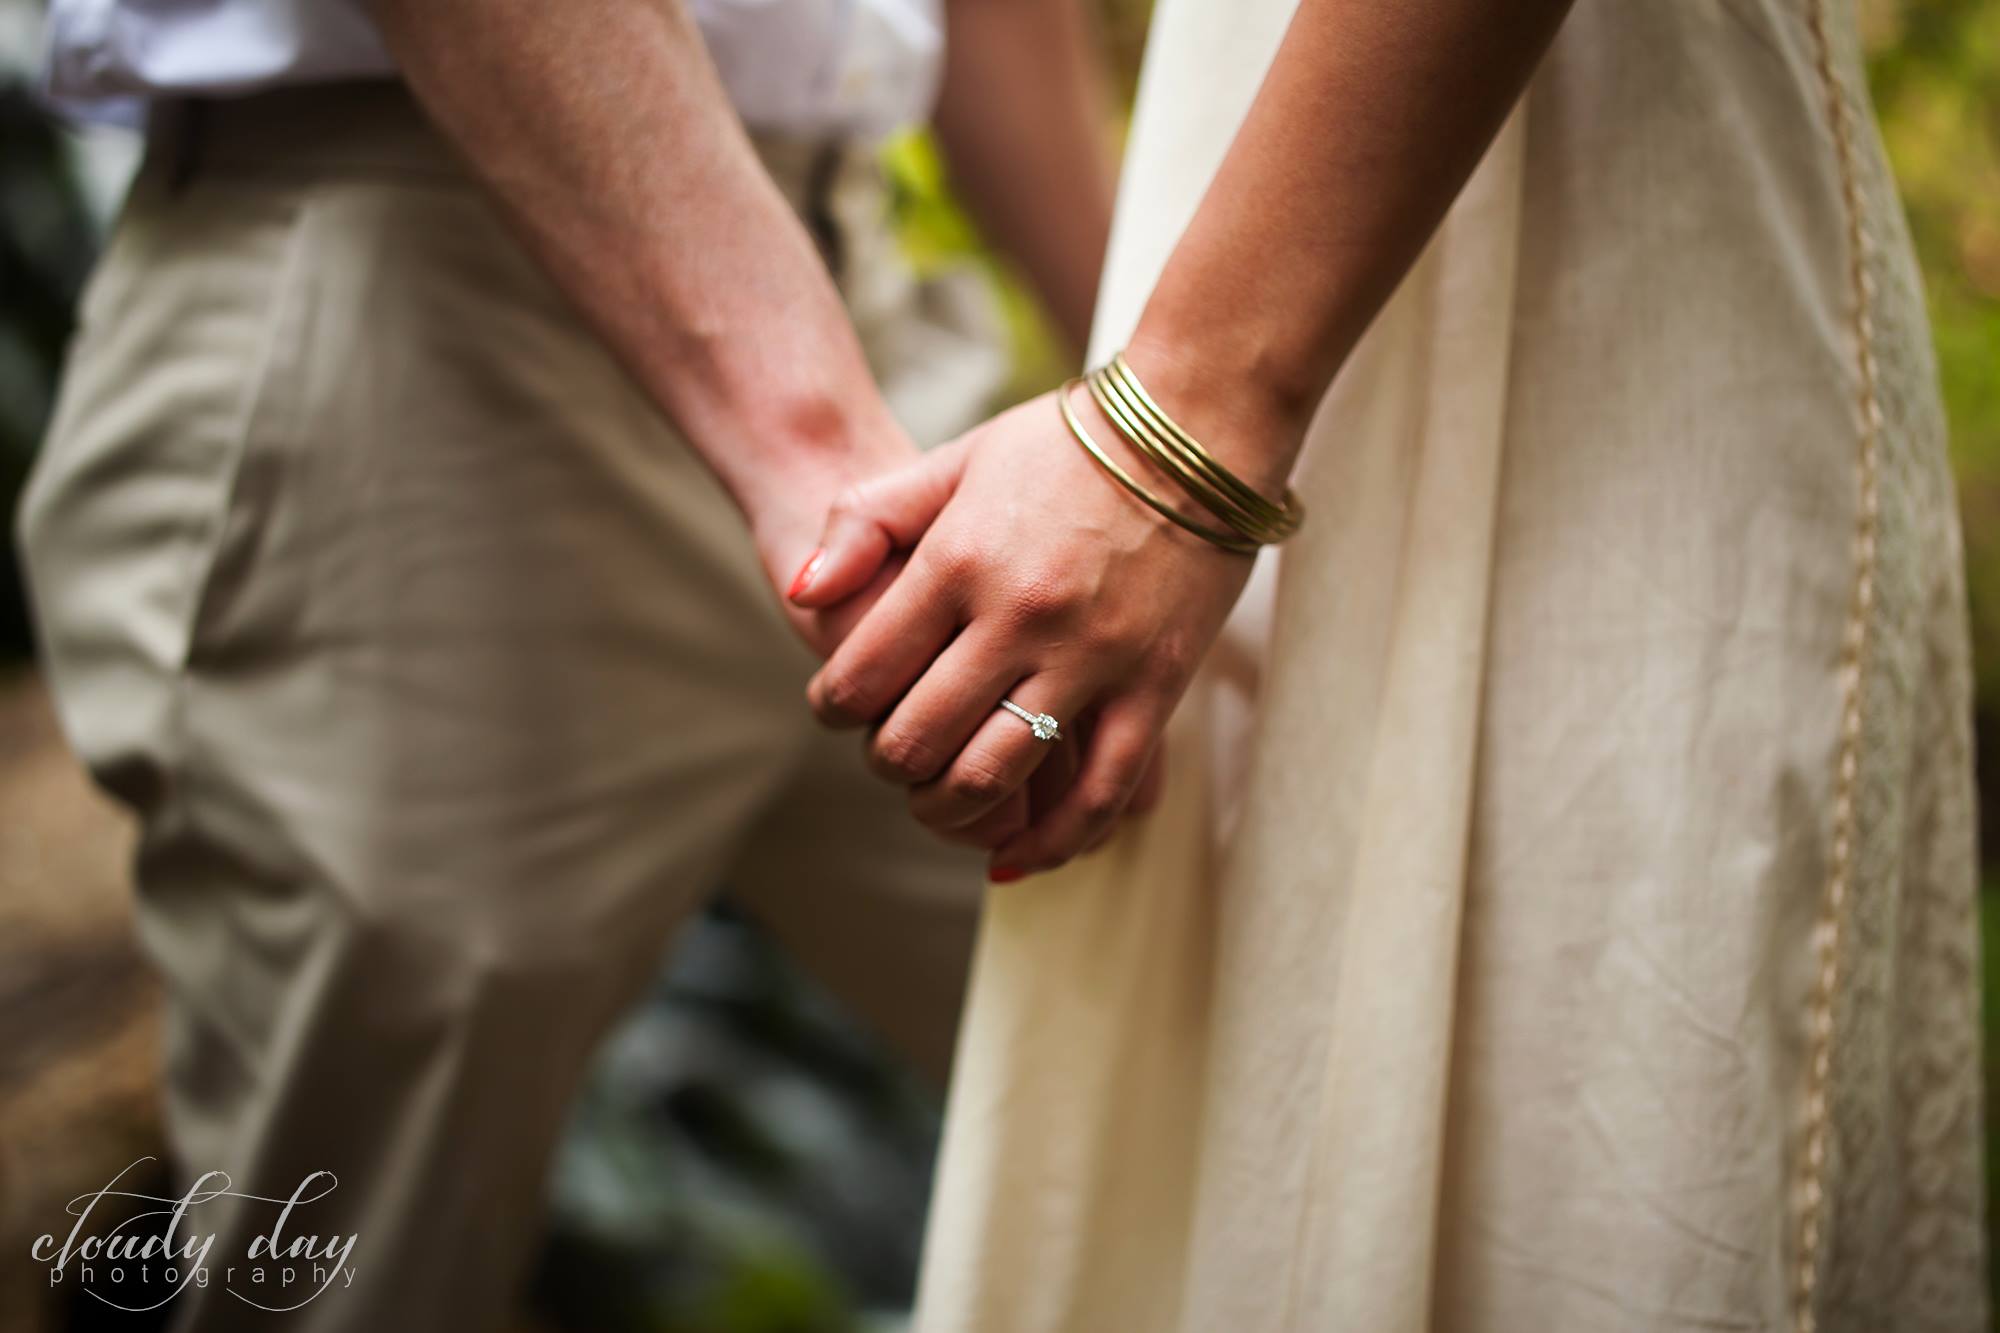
<point>807,573</point>
<point>1005,874</point>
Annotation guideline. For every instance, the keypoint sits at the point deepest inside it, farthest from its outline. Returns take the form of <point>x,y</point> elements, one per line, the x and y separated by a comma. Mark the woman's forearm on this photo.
<point>1371,119</point>
<point>606,134</point>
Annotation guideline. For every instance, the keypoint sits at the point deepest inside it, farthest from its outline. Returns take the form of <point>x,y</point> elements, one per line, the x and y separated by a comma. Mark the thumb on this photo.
<point>873,518</point>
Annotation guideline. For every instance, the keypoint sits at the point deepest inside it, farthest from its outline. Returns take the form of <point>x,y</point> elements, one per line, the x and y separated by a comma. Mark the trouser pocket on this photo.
<point>174,397</point>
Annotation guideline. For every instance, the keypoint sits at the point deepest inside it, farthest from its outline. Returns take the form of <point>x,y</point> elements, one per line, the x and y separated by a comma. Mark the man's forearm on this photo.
<point>606,134</point>
<point>1022,120</point>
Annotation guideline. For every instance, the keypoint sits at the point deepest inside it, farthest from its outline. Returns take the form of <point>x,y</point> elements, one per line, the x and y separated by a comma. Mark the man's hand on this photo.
<point>688,262</point>
<point>788,523</point>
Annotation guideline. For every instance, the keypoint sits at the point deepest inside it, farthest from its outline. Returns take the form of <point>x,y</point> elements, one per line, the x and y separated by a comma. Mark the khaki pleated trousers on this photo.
<point>1561,915</point>
<point>445,684</point>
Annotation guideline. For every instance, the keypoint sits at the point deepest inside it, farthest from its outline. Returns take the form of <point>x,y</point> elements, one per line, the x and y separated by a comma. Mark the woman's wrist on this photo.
<point>1237,409</point>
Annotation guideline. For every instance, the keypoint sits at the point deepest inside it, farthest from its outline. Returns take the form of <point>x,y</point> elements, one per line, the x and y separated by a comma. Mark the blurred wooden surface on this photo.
<point>79,1009</point>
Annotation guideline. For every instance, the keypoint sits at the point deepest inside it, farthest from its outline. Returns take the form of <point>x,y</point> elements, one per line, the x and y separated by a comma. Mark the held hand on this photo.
<point>1036,579</point>
<point>788,516</point>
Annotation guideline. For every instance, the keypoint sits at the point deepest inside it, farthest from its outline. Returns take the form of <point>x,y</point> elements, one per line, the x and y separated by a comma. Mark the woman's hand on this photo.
<point>1033,577</point>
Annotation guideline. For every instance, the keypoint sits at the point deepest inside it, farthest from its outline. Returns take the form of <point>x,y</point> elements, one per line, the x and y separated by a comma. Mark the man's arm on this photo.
<point>1022,118</point>
<point>606,134</point>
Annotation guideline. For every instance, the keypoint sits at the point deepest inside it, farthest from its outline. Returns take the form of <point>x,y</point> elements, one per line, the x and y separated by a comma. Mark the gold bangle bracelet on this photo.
<point>1285,516</point>
<point>1198,471</point>
<point>1228,541</point>
<point>1162,451</point>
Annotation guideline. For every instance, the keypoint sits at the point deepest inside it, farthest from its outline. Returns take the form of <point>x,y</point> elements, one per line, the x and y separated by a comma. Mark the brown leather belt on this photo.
<point>376,127</point>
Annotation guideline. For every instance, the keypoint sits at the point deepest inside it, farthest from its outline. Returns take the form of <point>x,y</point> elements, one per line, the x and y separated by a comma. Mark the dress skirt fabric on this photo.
<point>1561,914</point>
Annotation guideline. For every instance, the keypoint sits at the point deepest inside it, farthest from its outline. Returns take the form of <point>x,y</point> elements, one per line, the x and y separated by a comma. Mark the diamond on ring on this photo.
<point>1041,725</point>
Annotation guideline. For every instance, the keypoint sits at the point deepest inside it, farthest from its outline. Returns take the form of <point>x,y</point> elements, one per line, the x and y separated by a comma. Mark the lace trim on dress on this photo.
<point>1853,661</point>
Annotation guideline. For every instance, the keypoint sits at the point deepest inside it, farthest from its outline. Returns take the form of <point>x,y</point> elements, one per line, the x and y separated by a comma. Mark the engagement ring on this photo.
<point>1045,727</point>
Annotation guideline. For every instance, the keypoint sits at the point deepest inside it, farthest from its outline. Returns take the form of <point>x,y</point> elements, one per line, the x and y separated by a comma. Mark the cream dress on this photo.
<point>1561,914</point>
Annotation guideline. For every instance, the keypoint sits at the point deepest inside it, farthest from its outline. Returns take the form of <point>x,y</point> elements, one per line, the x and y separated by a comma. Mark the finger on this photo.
<point>1147,794</point>
<point>885,654</point>
<point>1001,755</point>
<point>997,825</point>
<point>825,630</point>
<point>1144,797</point>
<point>872,518</point>
<point>1121,744</point>
<point>1045,787</point>
<point>1056,774</point>
<point>947,705</point>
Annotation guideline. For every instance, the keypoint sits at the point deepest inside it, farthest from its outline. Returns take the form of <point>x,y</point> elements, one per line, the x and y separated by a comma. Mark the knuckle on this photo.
<point>983,835</point>
<point>904,755</point>
<point>844,696</point>
<point>1171,659</point>
<point>977,782</point>
<point>1005,829</point>
<point>1100,802</point>
<point>850,502</point>
<point>951,557</point>
<point>1038,601</point>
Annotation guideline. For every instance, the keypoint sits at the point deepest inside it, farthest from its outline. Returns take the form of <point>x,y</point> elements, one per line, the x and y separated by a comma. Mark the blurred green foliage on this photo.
<point>936,234</point>
<point>744,1158</point>
<point>47,242</point>
<point>1935,71</point>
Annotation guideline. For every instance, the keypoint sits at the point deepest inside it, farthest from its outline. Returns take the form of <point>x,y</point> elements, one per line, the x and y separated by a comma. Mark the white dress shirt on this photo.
<point>806,67</point>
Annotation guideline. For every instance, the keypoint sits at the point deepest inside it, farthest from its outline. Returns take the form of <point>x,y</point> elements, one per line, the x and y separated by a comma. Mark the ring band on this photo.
<point>1045,727</point>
